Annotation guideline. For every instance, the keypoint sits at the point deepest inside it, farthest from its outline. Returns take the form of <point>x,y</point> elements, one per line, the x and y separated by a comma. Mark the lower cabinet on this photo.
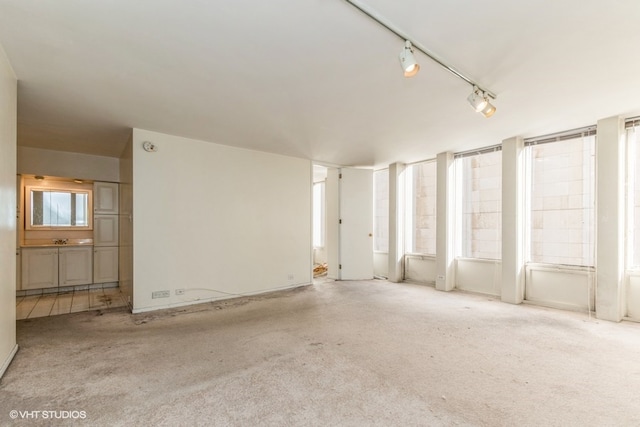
<point>52,267</point>
<point>39,268</point>
<point>75,266</point>
<point>105,264</point>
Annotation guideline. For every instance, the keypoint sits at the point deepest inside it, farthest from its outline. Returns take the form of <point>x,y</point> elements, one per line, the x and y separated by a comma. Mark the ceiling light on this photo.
<point>477,100</point>
<point>408,62</point>
<point>488,110</point>
<point>480,102</point>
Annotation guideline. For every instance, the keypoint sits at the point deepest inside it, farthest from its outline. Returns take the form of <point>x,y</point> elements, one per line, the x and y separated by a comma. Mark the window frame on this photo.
<point>589,131</point>
<point>60,188</point>
<point>631,179</point>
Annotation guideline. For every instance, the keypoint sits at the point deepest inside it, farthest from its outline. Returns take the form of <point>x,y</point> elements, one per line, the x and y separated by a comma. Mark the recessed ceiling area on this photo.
<point>315,79</point>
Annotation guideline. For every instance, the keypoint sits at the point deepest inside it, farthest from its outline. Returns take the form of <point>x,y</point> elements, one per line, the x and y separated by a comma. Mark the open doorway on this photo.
<point>343,223</point>
<point>67,246</point>
<point>320,266</point>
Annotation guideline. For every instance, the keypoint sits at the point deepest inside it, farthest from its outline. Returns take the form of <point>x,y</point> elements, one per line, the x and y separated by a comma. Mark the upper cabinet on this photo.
<point>105,230</point>
<point>105,198</point>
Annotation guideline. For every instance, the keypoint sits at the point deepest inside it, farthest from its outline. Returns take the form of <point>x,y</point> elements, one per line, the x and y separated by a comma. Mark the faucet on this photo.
<point>60,241</point>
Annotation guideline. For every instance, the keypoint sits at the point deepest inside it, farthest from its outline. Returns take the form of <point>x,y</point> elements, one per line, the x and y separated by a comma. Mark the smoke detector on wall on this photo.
<point>149,146</point>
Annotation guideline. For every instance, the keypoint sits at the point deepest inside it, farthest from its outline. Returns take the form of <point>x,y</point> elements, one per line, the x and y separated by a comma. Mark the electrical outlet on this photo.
<point>179,291</point>
<point>290,276</point>
<point>440,277</point>
<point>160,294</point>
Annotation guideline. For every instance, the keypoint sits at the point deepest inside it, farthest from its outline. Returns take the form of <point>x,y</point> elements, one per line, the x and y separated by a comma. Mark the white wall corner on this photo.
<point>513,223</point>
<point>445,221</point>
<point>8,360</point>
<point>610,215</point>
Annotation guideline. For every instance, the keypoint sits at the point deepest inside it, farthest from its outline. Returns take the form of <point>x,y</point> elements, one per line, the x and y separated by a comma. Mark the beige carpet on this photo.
<point>344,353</point>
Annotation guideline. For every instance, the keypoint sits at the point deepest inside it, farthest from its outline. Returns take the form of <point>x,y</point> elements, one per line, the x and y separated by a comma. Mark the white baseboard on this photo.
<point>7,362</point>
<point>204,300</point>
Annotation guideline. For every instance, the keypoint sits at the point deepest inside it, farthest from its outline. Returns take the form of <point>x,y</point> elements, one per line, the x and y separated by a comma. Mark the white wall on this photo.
<point>38,161</point>
<point>216,221</point>
<point>8,120</point>
<point>565,287</point>
<point>420,268</point>
<point>381,264</point>
<point>479,275</point>
<point>633,296</point>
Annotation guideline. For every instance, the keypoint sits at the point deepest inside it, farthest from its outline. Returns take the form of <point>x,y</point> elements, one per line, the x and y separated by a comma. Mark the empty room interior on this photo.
<point>347,212</point>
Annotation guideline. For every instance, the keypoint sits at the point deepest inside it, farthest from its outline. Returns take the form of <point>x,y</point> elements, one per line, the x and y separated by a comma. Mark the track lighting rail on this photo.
<point>420,47</point>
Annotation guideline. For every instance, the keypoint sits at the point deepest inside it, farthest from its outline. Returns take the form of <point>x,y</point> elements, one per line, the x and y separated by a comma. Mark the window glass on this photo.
<point>562,201</point>
<point>58,208</point>
<point>421,208</point>
<point>479,183</point>
<point>633,140</point>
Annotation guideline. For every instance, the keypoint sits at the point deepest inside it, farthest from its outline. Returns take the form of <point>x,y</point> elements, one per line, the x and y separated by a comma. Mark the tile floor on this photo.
<point>28,307</point>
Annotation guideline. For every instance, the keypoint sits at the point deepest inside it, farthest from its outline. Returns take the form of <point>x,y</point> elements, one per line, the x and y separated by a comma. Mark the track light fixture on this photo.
<point>488,110</point>
<point>479,98</point>
<point>410,66</point>
<point>480,102</point>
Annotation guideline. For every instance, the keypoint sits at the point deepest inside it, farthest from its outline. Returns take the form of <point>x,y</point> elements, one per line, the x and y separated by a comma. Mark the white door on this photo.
<point>332,212</point>
<point>349,210</point>
<point>356,224</point>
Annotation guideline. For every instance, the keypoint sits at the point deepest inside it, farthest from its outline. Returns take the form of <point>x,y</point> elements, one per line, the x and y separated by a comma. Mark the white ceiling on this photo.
<point>315,78</point>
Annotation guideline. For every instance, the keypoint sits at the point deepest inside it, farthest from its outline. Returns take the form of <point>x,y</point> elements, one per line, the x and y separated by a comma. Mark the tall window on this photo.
<point>421,208</point>
<point>381,210</point>
<point>633,183</point>
<point>562,198</point>
<point>318,214</point>
<point>479,183</point>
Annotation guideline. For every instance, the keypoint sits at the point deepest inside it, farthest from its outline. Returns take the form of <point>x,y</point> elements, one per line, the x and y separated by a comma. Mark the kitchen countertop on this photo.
<point>43,243</point>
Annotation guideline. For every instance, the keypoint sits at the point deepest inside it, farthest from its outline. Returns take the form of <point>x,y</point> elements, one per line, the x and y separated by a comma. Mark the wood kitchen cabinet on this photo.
<point>105,230</point>
<point>51,267</point>
<point>75,266</point>
<point>39,268</point>
<point>105,264</point>
<point>105,198</point>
